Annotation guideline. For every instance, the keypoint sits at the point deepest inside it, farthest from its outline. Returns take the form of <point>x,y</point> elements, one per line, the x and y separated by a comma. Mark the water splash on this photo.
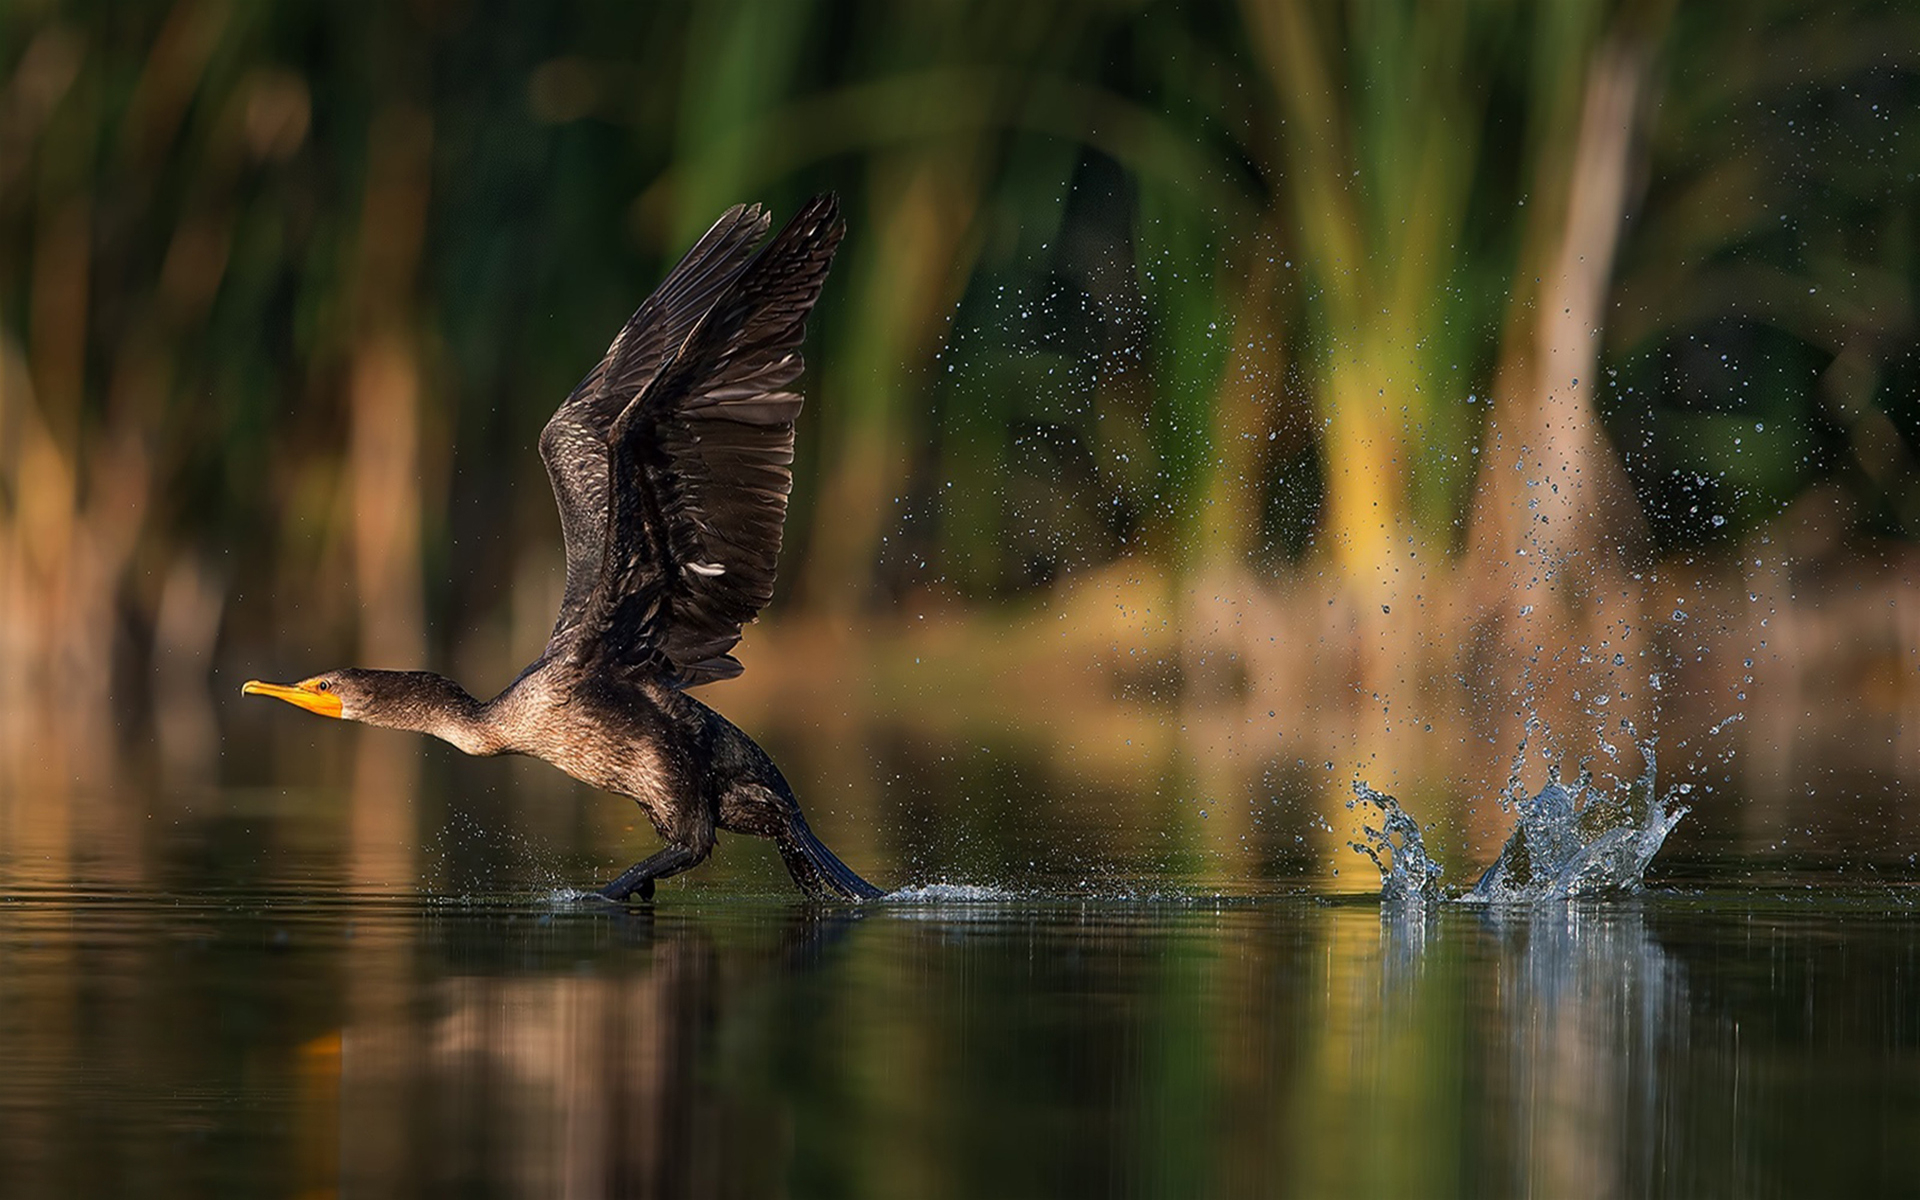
<point>948,893</point>
<point>1570,841</point>
<point>1579,841</point>
<point>1409,876</point>
<point>573,897</point>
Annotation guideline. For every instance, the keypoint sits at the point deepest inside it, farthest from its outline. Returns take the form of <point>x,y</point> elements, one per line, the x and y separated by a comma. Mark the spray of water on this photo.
<point>1569,841</point>
<point>1580,841</point>
<point>1409,877</point>
<point>949,894</point>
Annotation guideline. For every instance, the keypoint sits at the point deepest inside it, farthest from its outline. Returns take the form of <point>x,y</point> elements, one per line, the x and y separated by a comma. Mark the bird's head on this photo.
<point>345,693</point>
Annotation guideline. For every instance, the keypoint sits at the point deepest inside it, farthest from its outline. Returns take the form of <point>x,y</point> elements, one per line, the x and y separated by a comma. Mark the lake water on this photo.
<point>315,961</point>
<point>227,1037</point>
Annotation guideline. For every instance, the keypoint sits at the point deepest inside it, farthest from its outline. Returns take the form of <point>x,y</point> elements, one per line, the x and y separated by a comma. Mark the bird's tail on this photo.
<point>817,871</point>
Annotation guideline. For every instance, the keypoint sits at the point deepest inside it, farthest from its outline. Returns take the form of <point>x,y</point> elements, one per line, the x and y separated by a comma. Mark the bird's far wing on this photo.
<point>574,443</point>
<point>701,469</point>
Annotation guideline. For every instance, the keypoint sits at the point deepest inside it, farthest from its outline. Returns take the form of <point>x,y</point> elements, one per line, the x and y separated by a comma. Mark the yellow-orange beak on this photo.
<point>301,695</point>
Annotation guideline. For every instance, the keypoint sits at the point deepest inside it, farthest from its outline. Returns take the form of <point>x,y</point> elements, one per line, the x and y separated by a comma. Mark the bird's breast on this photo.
<point>621,752</point>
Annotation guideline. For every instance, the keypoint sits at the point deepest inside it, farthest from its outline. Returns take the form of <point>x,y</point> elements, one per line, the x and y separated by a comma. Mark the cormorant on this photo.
<point>671,464</point>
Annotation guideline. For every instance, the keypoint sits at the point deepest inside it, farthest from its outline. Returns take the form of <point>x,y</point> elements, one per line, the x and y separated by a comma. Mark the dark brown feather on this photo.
<point>574,443</point>
<point>700,469</point>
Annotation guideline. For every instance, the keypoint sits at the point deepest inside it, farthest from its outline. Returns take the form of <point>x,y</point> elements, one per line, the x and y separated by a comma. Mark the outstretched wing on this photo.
<point>574,443</point>
<point>701,464</point>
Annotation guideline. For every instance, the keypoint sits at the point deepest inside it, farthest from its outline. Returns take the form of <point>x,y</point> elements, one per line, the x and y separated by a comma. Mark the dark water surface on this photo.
<point>314,963</point>
<point>242,1040</point>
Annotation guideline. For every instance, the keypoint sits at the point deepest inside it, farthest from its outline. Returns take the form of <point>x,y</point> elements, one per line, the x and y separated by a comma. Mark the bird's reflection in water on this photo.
<point>571,1054</point>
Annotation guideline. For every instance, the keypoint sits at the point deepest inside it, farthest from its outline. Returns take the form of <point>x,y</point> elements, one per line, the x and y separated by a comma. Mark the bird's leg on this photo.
<point>640,876</point>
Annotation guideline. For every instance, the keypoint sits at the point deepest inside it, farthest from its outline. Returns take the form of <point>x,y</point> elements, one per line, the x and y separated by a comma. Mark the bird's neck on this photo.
<point>467,727</point>
<point>423,702</point>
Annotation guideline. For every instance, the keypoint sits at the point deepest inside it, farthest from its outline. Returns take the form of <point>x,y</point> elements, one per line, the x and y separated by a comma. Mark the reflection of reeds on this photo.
<point>1279,1048</point>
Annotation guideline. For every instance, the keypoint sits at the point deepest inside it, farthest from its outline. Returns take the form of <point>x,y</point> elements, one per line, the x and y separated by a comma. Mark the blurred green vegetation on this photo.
<point>287,291</point>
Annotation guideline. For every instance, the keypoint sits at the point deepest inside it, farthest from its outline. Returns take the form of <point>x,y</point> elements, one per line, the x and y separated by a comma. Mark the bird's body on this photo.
<point>670,466</point>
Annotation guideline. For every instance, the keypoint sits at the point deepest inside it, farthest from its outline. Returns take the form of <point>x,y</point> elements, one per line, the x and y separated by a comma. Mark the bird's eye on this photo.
<point>323,687</point>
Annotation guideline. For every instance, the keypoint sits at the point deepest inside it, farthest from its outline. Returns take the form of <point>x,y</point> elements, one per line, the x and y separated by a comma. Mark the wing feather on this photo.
<point>700,469</point>
<point>574,443</point>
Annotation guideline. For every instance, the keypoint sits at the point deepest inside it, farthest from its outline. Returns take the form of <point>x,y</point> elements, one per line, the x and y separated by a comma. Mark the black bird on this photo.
<point>671,464</point>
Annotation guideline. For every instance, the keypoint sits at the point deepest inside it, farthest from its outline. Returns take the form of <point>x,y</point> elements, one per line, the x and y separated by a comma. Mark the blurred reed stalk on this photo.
<point>385,497</point>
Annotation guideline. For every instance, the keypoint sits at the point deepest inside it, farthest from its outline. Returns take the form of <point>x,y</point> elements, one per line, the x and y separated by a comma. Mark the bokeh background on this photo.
<point>1212,403</point>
